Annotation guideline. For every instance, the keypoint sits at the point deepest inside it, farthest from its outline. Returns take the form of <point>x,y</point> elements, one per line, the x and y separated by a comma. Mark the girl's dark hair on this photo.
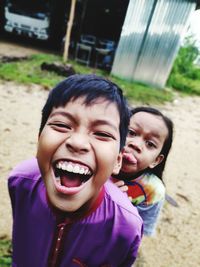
<point>91,87</point>
<point>158,170</point>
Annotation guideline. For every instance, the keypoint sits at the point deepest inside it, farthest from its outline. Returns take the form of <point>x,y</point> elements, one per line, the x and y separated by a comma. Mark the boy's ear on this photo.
<point>118,164</point>
<point>157,161</point>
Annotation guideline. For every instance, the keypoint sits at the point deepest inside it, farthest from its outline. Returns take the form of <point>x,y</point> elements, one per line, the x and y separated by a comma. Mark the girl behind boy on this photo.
<point>147,146</point>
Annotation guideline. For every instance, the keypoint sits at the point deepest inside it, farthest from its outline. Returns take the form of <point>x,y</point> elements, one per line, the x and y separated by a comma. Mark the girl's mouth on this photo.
<point>129,158</point>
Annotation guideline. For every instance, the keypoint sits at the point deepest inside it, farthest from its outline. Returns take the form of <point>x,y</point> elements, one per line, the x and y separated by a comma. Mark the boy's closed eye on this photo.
<point>59,126</point>
<point>104,135</point>
<point>62,127</point>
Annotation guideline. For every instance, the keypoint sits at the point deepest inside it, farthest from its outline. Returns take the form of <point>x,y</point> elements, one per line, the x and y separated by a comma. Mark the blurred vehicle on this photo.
<point>31,18</point>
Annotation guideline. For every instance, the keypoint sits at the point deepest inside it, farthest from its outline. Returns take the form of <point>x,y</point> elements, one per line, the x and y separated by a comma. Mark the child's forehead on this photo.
<point>97,106</point>
<point>86,102</point>
<point>143,116</point>
<point>146,120</point>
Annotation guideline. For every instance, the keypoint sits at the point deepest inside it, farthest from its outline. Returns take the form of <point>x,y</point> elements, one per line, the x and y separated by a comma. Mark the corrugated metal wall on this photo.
<point>150,39</point>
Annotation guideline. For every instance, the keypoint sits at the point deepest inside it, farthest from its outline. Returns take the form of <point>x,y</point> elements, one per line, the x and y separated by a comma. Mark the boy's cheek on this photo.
<point>45,145</point>
<point>43,158</point>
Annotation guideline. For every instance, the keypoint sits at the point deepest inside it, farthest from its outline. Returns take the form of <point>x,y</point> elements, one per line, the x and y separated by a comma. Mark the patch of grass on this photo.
<point>29,71</point>
<point>184,84</point>
<point>138,92</point>
<point>5,252</point>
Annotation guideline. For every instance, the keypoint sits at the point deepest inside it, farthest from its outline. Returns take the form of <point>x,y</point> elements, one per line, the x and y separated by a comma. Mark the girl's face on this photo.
<point>78,149</point>
<point>146,136</point>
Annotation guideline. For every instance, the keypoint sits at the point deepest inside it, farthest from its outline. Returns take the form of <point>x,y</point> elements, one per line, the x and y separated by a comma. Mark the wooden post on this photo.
<point>68,30</point>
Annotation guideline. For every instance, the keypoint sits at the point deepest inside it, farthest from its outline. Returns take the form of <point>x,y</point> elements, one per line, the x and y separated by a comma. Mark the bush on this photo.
<point>185,76</point>
<point>184,84</point>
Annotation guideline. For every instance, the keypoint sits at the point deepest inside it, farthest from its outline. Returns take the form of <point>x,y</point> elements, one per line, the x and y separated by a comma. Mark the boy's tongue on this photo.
<point>129,157</point>
<point>71,181</point>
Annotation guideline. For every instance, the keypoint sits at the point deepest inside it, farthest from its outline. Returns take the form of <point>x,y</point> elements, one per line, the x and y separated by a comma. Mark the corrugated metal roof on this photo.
<point>150,39</point>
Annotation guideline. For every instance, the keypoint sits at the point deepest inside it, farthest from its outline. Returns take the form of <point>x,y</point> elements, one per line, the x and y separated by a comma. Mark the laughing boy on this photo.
<point>65,212</point>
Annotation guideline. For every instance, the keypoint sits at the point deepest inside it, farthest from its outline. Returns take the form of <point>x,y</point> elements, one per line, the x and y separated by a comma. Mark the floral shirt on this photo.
<point>146,189</point>
<point>147,193</point>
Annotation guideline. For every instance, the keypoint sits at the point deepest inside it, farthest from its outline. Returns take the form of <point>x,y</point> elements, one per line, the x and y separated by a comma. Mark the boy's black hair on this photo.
<point>158,170</point>
<point>91,87</point>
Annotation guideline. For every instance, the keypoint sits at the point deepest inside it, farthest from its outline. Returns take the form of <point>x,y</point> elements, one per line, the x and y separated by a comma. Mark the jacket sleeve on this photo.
<point>12,189</point>
<point>150,215</point>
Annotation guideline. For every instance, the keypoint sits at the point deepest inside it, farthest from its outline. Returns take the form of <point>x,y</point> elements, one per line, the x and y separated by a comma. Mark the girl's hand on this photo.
<point>121,185</point>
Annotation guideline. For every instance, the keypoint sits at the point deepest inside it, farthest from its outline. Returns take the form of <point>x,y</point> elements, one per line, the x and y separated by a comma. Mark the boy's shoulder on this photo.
<point>121,201</point>
<point>27,169</point>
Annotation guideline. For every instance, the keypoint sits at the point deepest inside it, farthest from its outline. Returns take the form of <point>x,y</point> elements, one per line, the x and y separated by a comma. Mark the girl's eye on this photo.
<point>150,144</point>
<point>131,133</point>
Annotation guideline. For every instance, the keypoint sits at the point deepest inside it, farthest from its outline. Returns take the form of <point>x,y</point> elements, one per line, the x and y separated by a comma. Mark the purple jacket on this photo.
<point>108,236</point>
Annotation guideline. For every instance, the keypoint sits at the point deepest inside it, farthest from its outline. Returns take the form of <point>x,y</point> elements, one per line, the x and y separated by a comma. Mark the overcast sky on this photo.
<point>194,23</point>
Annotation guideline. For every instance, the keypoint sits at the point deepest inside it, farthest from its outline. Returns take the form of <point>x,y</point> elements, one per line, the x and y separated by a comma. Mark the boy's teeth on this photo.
<point>87,172</point>
<point>75,168</point>
<point>81,171</point>
<point>68,167</point>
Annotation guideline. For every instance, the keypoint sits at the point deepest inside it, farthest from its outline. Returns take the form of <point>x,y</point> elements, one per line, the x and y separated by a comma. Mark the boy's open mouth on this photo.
<point>70,174</point>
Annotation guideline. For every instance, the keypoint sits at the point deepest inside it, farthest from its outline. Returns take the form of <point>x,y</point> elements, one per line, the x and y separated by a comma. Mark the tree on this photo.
<point>188,53</point>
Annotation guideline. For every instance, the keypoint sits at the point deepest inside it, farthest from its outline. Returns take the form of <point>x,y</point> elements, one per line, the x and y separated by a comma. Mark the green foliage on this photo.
<point>5,252</point>
<point>185,75</point>
<point>185,60</point>
<point>29,71</point>
<point>184,84</point>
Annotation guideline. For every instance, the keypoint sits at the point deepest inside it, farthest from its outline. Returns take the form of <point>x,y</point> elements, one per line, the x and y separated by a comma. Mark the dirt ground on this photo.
<point>176,243</point>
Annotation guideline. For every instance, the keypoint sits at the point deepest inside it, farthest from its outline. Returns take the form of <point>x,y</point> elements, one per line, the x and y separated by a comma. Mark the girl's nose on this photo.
<point>135,144</point>
<point>78,143</point>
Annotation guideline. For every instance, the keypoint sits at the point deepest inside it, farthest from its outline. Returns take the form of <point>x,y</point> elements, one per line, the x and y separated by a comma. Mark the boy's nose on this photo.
<point>78,143</point>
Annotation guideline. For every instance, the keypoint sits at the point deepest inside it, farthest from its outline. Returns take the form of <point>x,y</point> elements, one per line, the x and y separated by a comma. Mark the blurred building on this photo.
<point>150,39</point>
<point>136,40</point>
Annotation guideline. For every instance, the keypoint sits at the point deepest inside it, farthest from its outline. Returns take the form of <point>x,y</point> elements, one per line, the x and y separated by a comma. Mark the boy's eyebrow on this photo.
<point>96,123</point>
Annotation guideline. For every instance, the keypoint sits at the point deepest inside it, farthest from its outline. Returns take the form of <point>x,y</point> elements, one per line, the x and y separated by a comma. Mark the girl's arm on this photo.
<point>150,215</point>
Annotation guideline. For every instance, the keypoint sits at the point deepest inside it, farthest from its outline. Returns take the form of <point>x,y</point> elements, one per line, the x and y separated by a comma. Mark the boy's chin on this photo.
<point>70,209</point>
<point>67,208</point>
